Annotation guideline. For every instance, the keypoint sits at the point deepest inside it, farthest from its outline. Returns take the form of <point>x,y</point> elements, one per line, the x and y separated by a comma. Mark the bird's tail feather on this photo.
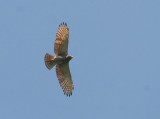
<point>49,61</point>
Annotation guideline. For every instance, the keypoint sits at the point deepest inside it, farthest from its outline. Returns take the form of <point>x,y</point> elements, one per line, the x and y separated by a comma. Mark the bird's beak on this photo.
<point>71,56</point>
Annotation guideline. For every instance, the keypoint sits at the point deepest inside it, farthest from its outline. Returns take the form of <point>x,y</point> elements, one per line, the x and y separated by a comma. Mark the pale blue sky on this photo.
<point>116,64</point>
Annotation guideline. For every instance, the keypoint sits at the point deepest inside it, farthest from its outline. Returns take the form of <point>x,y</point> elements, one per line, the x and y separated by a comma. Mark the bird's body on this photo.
<point>61,60</point>
<point>50,59</point>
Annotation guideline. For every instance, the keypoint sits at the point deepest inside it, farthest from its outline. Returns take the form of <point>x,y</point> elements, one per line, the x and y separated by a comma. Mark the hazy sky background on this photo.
<point>116,64</point>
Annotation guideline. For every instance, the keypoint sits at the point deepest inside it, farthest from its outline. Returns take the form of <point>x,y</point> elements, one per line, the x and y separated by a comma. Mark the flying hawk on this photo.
<point>61,60</point>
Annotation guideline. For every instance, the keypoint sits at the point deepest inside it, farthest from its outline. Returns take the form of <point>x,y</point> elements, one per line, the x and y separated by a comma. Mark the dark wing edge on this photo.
<point>65,79</point>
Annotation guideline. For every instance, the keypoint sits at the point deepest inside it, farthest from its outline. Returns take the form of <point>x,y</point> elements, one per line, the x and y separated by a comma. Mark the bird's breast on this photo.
<point>61,60</point>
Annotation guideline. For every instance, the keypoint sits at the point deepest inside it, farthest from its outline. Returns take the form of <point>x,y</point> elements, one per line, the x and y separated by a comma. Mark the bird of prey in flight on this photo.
<point>61,60</point>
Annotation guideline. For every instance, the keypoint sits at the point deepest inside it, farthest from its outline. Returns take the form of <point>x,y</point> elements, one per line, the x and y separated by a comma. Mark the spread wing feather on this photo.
<point>61,42</point>
<point>64,77</point>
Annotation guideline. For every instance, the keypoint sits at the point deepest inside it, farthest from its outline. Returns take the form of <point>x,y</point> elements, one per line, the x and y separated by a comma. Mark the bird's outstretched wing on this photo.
<point>64,77</point>
<point>61,42</point>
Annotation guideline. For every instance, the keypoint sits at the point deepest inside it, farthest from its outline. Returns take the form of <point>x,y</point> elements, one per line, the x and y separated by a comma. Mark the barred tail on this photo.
<point>49,61</point>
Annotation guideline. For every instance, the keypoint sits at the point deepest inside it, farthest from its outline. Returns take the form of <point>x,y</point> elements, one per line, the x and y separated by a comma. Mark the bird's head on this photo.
<point>69,58</point>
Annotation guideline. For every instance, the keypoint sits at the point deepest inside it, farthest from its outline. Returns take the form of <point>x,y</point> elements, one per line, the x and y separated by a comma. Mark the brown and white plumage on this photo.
<point>61,42</point>
<point>61,60</point>
<point>49,61</point>
<point>64,77</point>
